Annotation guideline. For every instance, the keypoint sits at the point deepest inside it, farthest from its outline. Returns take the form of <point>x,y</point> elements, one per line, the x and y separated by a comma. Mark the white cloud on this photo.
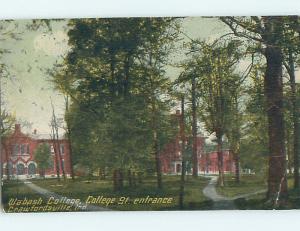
<point>55,43</point>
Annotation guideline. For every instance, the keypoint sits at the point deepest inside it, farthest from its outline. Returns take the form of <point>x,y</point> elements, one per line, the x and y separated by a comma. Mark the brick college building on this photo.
<point>19,148</point>
<point>171,156</point>
<point>17,155</point>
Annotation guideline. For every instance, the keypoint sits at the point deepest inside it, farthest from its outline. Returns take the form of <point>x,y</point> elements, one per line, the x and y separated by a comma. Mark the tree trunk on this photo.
<point>220,159</point>
<point>157,160</point>
<point>103,173</point>
<point>115,180</point>
<point>126,84</point>
<point>139,178</point>
<point>194,128</point>
<point>183,167</point>
<point>55,155</point>
<point>57,164</point>
<point>69,139</point>
<point>156,145</point>
<point>289,152</point>
<point>295,119</point>
<point>118,180</point>
<point>70,155</point>
<point>154,127</point>
<point>56,137</point>
<point>236,157</point>
<point>134,179</point>
<point>7,161</point>
<point>99,174</point>
<point>236,136</point>
<point>121,179</point>
<point>277,182</point>
<point>60,159</point>
<point>129,175</point>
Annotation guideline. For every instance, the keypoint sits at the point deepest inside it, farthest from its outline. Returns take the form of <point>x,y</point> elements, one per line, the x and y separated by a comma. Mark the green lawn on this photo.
<point>16,190</point>
<point>82,188</point>
<point>194,199</point>
<point>254,183</point>
<point>248,184</point>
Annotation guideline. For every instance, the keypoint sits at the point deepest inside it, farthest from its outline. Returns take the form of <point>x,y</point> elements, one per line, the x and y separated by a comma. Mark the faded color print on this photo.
<point>161,113</point>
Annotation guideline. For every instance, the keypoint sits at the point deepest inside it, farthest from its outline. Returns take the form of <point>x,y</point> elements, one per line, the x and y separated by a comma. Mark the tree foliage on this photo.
<point>42,156</point>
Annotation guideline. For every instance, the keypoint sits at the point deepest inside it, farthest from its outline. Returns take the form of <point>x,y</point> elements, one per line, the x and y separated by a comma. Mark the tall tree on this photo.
<point>235,123</point>
<point>254,145</point>
<point>290,66</point>
<point>106,73</point>
<point>56,145</point>
<point>68,130</point>
<point>194,128</point>
<point>6,127</point>
<point>190,75</point>
<point>183,156</point>
<point>268,32</point>
<point>215,64</point>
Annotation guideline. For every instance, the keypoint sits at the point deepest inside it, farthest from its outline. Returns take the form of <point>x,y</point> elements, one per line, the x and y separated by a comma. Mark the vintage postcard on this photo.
<point>150,113</point>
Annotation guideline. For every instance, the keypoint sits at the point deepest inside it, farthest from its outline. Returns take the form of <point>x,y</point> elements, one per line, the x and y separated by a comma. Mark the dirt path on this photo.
<point>221,202</point>
<point>47,194</point>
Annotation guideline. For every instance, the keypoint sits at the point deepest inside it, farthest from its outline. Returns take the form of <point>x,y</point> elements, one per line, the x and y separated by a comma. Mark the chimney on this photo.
<point>17,128</point>
<point>34,131</point>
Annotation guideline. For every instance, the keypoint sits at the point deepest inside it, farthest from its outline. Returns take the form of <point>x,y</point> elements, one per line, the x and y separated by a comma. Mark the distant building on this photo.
<point>18,155</point>
<point>208,162</point>
<point>171,156</point>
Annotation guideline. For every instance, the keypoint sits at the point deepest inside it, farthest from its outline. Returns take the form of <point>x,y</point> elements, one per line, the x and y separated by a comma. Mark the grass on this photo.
<point>248,184</point>
<point>194,199</point>
<point>82,188</point>
<point>16,190</point>
<point>259,201</point>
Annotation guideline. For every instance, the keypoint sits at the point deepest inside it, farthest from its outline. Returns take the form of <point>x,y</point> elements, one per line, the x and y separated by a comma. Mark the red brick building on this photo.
<point>18,155</point>
<point>208,162</point>
<point>171,156</point>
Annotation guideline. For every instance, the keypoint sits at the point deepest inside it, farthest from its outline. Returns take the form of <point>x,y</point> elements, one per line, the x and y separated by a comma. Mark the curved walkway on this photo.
<point>47,194</point>
<point>221,202</point>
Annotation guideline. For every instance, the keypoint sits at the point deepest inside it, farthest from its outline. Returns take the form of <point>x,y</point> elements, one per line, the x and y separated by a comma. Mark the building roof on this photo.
<point>38,136</point>
<point>35,135</point>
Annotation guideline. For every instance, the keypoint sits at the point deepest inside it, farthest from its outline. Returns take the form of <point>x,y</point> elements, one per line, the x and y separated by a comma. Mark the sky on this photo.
<point>27,91</point>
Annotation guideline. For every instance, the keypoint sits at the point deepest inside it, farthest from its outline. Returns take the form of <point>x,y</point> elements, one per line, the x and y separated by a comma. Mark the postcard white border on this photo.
<point>154,221</point>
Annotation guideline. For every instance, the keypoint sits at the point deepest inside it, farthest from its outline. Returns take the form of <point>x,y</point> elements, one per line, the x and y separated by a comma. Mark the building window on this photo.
<point>20,169</point>
<point>16,149</point>
<point>51,149</point>
<point>24,149</point>
<point>62,149</point>
<point>31,169</point>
